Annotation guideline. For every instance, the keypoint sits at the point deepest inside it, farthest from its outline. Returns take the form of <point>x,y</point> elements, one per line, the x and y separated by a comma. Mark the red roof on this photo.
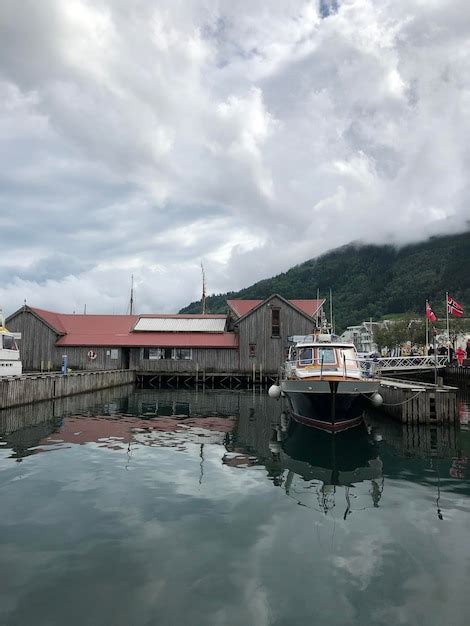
<point>242,307</point>
<point>116,330</point>
<point>152,340</point>
<point>308,306</point>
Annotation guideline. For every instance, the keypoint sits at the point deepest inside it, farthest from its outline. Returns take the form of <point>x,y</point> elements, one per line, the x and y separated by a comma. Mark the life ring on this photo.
<point>91,354</point>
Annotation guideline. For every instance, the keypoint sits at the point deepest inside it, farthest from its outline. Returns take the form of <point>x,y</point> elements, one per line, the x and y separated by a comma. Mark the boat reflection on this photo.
<point>327,464</point>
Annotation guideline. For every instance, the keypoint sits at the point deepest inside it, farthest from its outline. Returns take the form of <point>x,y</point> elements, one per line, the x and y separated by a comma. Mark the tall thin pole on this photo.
<point>331,309</point>
<point>448,331</point>
<point>427,329</point>
<point>318,308</point>
<point>203,290</point>
<point>131,301</point>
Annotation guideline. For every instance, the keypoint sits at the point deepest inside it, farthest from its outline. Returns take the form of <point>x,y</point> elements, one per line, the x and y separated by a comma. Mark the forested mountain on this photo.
<point>372,281</point>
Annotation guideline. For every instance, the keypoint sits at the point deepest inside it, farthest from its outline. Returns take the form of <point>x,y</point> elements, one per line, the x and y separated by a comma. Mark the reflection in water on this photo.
<point>137,507</point>
<point>117,422</point>
<point>313,466</point>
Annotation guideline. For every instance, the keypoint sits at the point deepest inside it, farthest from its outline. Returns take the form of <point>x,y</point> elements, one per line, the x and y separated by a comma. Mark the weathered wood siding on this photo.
<point>223,360</point>
<point>39,353</point>
<point>256,329</point>
<point>36,343</point>
<point>78,359</point>
<point>24,390</point>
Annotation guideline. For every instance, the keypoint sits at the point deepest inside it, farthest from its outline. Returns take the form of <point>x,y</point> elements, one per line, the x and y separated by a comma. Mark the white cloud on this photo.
<point>136,137</point>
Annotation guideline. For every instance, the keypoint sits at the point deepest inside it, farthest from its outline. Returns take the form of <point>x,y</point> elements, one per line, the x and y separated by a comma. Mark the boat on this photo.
<point>325,382</point>
<point>10,362</point>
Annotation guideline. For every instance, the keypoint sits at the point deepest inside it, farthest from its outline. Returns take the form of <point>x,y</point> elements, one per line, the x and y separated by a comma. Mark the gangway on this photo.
<point>404,363</point>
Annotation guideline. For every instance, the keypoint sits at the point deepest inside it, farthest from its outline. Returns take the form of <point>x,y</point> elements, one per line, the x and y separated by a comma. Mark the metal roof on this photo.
<point>181,324</point>
<point>117,330</point>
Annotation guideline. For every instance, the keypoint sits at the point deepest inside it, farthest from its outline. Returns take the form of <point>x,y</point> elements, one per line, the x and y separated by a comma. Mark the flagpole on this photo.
<point>427,329</point>
<point>448,331</point>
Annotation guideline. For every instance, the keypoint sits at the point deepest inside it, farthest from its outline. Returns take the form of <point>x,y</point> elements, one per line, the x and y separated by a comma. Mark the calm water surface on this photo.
<point>156,507</point>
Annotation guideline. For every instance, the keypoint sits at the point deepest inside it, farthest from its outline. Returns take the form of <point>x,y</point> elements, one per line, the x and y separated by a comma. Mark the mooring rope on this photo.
<point>398,403</point>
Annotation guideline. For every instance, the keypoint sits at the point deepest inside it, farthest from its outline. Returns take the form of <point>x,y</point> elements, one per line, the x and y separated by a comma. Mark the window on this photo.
<point>177,354</point>
<point>326,355</point>
<point>114,354</point>
<point>305,356</point>
<point>154,354</point>
<point>182,354</point>
<point>9,342</point>
<point>275,322</point>
<point>252,350</point>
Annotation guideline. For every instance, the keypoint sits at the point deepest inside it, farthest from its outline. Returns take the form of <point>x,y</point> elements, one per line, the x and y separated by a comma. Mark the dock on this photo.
<point>419,403</point>
<point>210,380</point>
<point>29,388</point>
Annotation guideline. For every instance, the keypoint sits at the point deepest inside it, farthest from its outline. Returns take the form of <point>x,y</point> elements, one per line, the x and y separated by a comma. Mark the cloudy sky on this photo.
<point>145,136</point>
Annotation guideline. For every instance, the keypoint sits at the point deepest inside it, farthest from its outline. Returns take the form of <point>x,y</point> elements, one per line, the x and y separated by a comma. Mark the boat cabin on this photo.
<point>317,358</point>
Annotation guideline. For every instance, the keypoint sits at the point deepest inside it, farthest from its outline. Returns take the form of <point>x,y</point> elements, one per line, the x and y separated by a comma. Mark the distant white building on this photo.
<point>362,336</point>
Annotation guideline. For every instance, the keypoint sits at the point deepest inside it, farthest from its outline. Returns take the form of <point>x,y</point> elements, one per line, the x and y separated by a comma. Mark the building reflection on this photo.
<point>312,467</point>
<point>117,418</point>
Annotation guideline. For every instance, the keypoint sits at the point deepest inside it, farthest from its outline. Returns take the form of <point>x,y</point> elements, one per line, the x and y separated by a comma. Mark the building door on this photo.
<point>126,358</point>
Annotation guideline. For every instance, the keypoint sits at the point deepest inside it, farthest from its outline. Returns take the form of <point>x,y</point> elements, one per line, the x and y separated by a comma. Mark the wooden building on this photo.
<point>263,327</point>
<point>252,336</point>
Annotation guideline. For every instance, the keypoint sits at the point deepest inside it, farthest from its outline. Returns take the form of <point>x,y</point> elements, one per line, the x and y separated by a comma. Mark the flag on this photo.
<point>429,313</point>
<point>454,307</point>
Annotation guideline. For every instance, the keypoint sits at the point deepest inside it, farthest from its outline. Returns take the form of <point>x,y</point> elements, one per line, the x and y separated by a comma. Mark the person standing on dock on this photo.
<point>460,354</point>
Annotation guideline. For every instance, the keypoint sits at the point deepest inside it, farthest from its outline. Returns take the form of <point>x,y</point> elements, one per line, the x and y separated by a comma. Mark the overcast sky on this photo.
<point>144,137</point>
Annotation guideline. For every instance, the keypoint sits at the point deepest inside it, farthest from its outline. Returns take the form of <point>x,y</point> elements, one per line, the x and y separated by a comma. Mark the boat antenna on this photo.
<point>318,308</point>
<point>331,309</point>
<point>131,300</point>
<point>203,289</point>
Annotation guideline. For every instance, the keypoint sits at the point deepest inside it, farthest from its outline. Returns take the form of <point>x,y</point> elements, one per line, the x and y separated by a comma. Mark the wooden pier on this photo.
<point>30,388</point>
<point>419,403</point>
<point>458,375</point>
<point>206,380</point>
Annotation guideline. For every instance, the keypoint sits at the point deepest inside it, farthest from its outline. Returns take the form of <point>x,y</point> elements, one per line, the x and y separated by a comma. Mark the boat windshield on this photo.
<point>305,356</point>
<point>326,355</point>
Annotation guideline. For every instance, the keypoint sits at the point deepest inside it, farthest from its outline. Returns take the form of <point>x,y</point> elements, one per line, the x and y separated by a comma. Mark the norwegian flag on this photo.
<point>454,307</point>
<point>429,313</point>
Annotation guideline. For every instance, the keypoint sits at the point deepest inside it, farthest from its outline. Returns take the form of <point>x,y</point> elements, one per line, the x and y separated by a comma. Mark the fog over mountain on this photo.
<point>142,137</point>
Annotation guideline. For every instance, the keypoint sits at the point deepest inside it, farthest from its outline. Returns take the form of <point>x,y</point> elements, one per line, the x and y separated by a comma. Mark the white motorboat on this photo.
<point>10,362</point>
<point>326,383</point>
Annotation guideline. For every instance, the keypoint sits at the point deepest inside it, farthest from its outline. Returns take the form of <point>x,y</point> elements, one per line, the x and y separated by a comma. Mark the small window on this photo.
<point>305,356</point>
<point>326,355</point>
<point>275,322</point>
<point>182,354</point>
<point>252,350</point>
<point>114,354</point>
<point>154,354</point>
<point>9,342</point>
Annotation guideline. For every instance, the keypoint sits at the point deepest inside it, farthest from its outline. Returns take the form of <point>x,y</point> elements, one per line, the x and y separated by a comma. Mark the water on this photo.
<point>144,507</point>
